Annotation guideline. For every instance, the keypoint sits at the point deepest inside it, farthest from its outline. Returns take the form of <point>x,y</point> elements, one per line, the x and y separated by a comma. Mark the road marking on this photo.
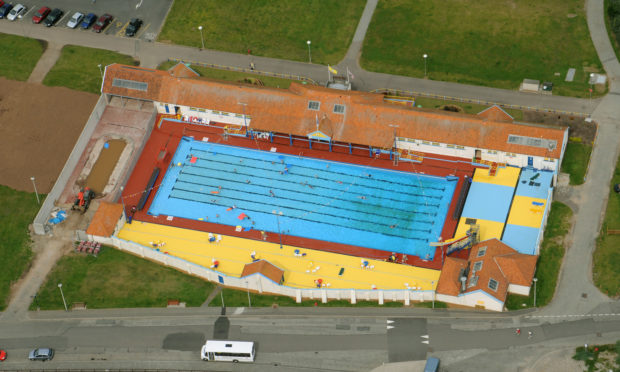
<point>142,30</point>
<point>424,336</point>
<point>138,4</point>
<point>425,342</point>
<point>571,315</point>
<point>389,327</point>
<point>29,10</point>
<point>390,321</point>
<point>239,311</point>
<point>120,32</point>
<point>61,18</point>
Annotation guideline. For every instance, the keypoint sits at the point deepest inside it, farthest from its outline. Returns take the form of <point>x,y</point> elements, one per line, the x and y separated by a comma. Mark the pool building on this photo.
<point>369,195</point>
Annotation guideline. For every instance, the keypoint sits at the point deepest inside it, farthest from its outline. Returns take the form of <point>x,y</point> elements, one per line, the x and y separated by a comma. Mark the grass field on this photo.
<point>599,357</point>
<point>214,73</point>
<point>494,43</point>
<point>469,108</point>
<point>116,279</point>
<point>16,213</point>
<point>606,271</point>
<point>575,161</point>
<point>19,56</point>
<point>549,261</point>
<point>277,29</point>
<point>77,68</point>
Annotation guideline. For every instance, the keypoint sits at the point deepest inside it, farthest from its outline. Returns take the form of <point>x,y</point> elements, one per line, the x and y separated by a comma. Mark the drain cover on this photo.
<point>584,295</point>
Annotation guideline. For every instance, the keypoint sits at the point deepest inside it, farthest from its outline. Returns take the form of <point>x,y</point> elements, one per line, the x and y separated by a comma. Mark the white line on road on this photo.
<point>239,311</point>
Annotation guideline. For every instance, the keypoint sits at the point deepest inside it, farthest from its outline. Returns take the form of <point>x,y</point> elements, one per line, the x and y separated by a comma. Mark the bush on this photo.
<point>614,8</point>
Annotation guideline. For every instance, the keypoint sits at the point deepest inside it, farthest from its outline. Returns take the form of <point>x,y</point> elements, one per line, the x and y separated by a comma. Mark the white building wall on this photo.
<point>519,289</point>
<point>473,299</point>
<point>206,115</point>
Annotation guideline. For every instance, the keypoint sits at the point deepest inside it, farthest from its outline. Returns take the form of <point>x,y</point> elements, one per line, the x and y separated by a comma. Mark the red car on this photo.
<point>2,352</point>
<point>102,22</point>
<point>41,14</point>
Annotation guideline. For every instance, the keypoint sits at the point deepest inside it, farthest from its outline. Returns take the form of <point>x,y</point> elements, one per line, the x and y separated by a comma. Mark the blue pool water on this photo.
<point>369,207</point>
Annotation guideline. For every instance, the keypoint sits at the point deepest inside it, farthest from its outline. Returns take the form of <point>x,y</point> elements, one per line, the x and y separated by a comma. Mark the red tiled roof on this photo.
<point>495,113</point>
<point>105,219</point>
<point>182,70</point>
<point>449,282</point>
<point>367,119</point>
<point>265,268</point>
<point>500,263</point>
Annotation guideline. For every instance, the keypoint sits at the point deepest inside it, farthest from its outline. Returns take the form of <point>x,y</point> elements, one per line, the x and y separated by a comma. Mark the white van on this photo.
<point>228,351</point>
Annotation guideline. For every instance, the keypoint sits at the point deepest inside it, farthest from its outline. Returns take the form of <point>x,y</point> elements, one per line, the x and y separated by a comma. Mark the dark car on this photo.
<point>54,16</point>
<point>5,10</point>
<point>41,14</point>
<point>134,26</point>
<point>102,22</point>
<point>41,354</point>
<point>88,21</point>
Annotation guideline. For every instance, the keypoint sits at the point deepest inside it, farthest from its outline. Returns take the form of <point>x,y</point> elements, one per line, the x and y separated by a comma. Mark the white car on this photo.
<point>75,20</point>
<point>17,12</point>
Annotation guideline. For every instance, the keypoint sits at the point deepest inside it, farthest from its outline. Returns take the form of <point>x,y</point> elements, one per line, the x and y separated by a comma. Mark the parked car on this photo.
<point>5,10</point>
<point>134,26</point>
<point>75,20</point>
<point>102,22</point>
<point>17,12</point>
<point>88,21</point>
<point>41,14</point>
<point>2,355</point>
<point>54,17</point>
<point>42,354</point>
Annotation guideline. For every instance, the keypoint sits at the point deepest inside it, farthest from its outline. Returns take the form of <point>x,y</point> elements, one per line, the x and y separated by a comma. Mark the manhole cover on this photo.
<point>584,295</point>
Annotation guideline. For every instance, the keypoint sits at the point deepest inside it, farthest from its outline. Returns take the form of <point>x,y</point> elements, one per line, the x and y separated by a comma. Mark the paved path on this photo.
<point>46,62</point>
<point>576,293</point>
<point>151,54</point>
<point>351,59</point>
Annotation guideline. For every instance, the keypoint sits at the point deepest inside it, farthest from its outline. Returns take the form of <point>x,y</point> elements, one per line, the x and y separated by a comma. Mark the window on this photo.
<point>473,281</point>
<point>130,84</point>
<point>435,143</point>
<point>339,109</point>
<point>477,266</point>
<point>450,146</point>
<point>426,143</point>
<point>314,105</point>
<point>482,251</point>
<point>460,147</point>
<point>493,284</point>
<point>491,152</point>
<point>193,109</point>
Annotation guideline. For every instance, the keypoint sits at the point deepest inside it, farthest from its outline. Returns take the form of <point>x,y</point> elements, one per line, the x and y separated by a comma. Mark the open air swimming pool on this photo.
<point>356,205</point>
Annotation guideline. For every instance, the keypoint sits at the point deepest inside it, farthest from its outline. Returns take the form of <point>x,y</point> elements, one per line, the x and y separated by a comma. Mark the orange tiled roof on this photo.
<point>495,113</point>
<point>367,119</point>
<point>105,219</point>
<point>182,70</point>
<point>500,263</point>
<point>449,283</point>
<point>265,268</point>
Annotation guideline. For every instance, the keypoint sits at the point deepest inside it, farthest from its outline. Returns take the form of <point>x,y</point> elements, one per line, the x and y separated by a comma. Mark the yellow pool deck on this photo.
<point>505,176</point>
<point>524,213</point>
<point>234,253</point>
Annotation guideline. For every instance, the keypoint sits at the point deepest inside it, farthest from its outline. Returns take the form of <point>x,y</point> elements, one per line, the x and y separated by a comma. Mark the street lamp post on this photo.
<point>535,280</point>
<point>591,86</point>
<point>247,285</point>
<point>432,285</point>
<point>63,296</point>
<point>309,53</point>
<point>36,301</point>
<point>100,71</point>
<point>202,39</point>
<point>35,190</point>
<point>425,56</point>
<point>278,214</point>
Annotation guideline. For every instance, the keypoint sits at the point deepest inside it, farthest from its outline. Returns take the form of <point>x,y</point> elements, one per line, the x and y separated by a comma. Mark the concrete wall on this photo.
<point>43,215</point>
<point>473,299</point>
<point>261,284</point>
<point>519,289</point>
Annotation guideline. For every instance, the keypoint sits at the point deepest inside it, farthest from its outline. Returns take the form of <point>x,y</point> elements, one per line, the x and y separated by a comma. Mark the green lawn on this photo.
<point>469,108</point>
<point>271,28</point>
<point>19,56</point>
<point>575,161</point>
<point>494,43</point>
<point>606,271</point>
<point>549,261</point>
<point>77,68</point>
<point>599,358</point>
<point>215,73</point>
<point>117,279</point>
<point>612,36</point>
<point>17,211</point>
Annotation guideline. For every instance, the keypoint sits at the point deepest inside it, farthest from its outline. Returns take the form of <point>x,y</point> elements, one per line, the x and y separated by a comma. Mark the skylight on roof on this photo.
<point>482,251</point>
<point>493,284</point>
<point>130,84</point>
<point>532,141</point>
<point>473,281</point>
<point>339,109</point>
<point>314,105</point>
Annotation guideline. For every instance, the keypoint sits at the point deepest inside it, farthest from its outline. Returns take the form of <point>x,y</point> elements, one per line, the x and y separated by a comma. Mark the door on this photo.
<point>167,109</point>
<point>211,356</point>
<point>478,154</point>
<point>530,161</point>
<point>220,279</point>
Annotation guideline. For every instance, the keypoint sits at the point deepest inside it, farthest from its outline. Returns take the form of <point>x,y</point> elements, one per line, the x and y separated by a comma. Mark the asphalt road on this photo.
<point>151,12</point>
<point>319,342</point>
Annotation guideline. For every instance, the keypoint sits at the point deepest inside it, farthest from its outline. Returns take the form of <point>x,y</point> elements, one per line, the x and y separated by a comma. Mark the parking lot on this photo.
<point>151,12</point>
